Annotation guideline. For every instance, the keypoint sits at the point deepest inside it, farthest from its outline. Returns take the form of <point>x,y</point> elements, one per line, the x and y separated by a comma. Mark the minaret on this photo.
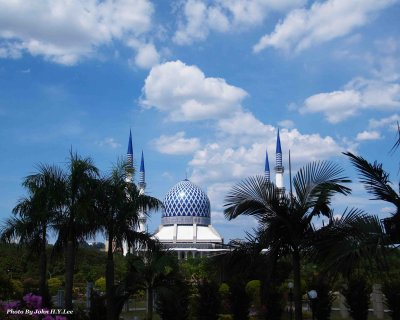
<point>279,169</point>
<point>267,171</point>
<point>129,159</point>
<point>142,187</point>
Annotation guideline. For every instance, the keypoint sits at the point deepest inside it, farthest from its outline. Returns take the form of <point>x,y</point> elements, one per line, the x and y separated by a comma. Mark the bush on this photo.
<point>30,285</point>
<point>54,285</point>
<point>357,296</point>
<point>253,289</point>
<point>100,284</point>
<point>208,301</point>
<point>391,289</point>
<point>224,292</point>
<point>240,301</point>
<point>173,302</point>
<point>322,305</point>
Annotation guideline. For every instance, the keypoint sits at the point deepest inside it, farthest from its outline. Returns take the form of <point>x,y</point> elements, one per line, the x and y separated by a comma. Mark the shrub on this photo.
<point>322,305</point>
<point>357,296</point>
<point>240,301</point>
<point>173,302</point>
<point>391,289</point>
<point>54,285</point>
<point>100,284</point>
<point>208,301</point>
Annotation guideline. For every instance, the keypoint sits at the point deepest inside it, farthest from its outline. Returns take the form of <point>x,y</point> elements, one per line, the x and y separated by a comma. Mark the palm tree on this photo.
<point>35,214</point>
<point>286,220</point>
<point>77,221</point>
<point>154,268</point>
<point>377,182</point>
<point>118,204</point>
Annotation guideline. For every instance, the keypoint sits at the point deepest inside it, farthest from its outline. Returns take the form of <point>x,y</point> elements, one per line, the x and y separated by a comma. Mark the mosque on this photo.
<point>186,219</point>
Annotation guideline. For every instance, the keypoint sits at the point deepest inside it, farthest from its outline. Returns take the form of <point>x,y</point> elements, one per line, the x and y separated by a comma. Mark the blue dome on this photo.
<point>186,203</point>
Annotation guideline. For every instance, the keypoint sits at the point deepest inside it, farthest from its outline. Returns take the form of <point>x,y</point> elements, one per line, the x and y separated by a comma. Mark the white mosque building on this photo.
<point>186,219</point>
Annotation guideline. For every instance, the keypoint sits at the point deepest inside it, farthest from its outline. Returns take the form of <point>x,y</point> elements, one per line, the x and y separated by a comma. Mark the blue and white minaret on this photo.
<point>129,159</point>
<point>279,169</point>
<point>267,171</point>
<point>142,187</point>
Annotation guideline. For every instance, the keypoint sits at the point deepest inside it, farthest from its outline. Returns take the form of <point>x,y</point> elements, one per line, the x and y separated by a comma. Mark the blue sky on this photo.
<point>204,86</point>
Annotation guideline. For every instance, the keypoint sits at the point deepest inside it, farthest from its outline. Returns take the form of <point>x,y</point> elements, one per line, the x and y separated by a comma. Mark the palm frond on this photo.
<point>254,196</point>
<point>375,179</point>
<point>316,183</point>
<point>346,242</point>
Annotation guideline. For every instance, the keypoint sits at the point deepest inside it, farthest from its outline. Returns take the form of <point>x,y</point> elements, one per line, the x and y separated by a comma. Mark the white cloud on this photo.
<point>244,123</point>
<point>322,22</point>
<point>288,124</point>
<point>186,94</point>
<point>224,161</point>
<point>147,55</point>
<point>368,135</point>
<point>356,95</point>
<point>67,31</point>
<point>109,142</point>
<point>388,122</point>
<point>176,144</point>
<point>336,105</point>
<point>199,17</point>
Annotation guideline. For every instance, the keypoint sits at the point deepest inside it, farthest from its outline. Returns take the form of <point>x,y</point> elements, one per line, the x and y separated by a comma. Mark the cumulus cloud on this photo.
<point>146,56</point>
<point>176,144</point>
<point>244,123</point>
<point>368,135</point>
<point>286,124</point>
<point>322,22</point>
<point>388,122</point>
<point>356,95</point>
<point>222,161</point>
<point>109,142</point>
<point>67,31</point>
<point>199,18</point>
<point>186,94</point>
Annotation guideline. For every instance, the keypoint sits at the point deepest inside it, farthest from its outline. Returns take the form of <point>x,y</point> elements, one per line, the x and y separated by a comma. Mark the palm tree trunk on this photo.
<point>110,280</point>
<point>69,273</point>
<point>150,303</point>
<point>43,290</point>
<point>298,315</point>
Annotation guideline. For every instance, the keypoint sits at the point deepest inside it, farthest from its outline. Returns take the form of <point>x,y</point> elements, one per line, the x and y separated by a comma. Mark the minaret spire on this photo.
<point>142,187</point>
<point>142,174</point>
<point>279,169</point>
<point>129,159</point>
<point>267,171</point>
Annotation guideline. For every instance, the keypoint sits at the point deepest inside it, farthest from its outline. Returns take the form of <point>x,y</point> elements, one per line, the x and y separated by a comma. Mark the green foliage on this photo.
<point>5,288</point>
<point>30,285</point>
<point>240,301</point>
<point>173,302</point>
<point>253,288</point>
<point>17,288</point>
<point>391,290</point>
<point>223,289</point>
<point>224,292</point>
<point>100,284</point>
<point>54,285</point>
<point>357,296</point>
<point>273,302</point>
<point>208,303</point>
<point>322,305</point>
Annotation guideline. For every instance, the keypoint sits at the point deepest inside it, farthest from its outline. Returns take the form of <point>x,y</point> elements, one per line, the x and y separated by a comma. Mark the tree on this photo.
<point>77,220</point>
<point>286,220</point>
<point>155,268</point>
<point>377,182</point>
<point>118,204</point>
<point>35,214</point>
